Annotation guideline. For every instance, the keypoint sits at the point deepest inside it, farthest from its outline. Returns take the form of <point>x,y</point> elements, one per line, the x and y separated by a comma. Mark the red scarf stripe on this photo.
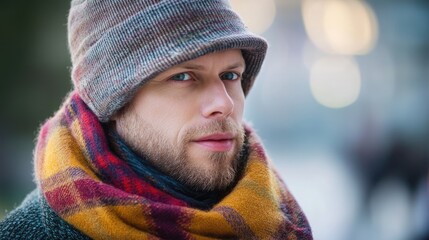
<point>113,169</point>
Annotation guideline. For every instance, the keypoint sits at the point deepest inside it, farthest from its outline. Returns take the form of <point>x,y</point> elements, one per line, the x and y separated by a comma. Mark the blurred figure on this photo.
<point>402,162</point>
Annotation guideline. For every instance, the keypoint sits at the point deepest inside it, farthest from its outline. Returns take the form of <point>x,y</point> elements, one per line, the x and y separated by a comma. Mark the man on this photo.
<point>150,144</point>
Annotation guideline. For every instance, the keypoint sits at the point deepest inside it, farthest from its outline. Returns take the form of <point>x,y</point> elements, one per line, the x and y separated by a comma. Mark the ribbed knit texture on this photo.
<point>117,46</point>
<point>34,219</point>
<point>100,195</point>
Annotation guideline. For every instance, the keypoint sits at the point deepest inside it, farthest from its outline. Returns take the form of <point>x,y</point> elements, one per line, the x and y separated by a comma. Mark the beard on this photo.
<point>207,171</point>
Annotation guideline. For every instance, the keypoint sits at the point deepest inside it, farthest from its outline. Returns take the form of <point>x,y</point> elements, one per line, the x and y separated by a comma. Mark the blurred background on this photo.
<point>341,104</point>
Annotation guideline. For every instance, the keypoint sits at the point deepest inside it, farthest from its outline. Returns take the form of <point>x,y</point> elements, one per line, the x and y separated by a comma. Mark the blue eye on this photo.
<point>230,76</point>
<point>181,77</point>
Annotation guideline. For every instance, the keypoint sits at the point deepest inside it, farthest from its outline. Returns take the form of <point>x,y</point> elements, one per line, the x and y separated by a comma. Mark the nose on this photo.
<point>217,103</point>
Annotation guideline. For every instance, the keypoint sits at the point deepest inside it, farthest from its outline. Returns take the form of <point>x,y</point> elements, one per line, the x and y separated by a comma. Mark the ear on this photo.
<point>119,113</point>
<point>115,116</point>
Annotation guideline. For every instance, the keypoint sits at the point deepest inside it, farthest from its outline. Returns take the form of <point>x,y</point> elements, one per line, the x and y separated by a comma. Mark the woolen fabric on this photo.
<point>117,46</point>
<point>34,219</point>
<point>100,196</point>
<point>141,165</point>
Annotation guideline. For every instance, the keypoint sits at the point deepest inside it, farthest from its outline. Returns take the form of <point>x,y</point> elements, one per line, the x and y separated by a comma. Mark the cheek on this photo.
<point>238,98</point>
<point>165,115</point>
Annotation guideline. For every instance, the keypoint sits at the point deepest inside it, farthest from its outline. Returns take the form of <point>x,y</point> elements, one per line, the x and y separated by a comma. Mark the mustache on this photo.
<point>215,126</point>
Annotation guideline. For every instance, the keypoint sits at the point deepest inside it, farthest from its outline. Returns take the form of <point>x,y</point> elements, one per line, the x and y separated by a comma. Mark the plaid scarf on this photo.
<point>195,198</point>
<point>97,192</point>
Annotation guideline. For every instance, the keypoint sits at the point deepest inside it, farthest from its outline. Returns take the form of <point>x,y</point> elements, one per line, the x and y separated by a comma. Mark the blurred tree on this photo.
<point>34,79</point>
<point>33,63</point>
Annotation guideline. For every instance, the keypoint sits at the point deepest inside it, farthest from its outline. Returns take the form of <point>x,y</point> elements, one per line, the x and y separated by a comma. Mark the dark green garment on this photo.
<point>34,219</point>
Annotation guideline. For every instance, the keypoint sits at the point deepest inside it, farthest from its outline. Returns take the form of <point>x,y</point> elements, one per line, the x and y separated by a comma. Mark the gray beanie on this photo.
<point>118,45</point>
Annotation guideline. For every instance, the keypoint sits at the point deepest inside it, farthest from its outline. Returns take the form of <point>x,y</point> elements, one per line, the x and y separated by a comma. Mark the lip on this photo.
<point>218,142</point>
<point>216,137</point>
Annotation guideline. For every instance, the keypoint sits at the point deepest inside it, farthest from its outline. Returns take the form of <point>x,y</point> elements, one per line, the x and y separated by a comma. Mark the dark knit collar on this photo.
<point>195,198</point>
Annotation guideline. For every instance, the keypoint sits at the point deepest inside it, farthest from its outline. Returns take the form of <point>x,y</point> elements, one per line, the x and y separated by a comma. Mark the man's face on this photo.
<point>187,120</point>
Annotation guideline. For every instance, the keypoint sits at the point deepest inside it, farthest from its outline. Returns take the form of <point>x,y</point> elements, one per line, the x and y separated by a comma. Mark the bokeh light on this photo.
<point>258,15</point>
<point>335,81</point>
<point>345,27</point>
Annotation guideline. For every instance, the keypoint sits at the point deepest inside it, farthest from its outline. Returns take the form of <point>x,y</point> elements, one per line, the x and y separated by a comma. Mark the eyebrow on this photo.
<point>193,66</point>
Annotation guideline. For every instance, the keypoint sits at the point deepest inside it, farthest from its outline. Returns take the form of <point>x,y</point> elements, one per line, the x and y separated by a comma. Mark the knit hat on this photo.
<point>118,45</point>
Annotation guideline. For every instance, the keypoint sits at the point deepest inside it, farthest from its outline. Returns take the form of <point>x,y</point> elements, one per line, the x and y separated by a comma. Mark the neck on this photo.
<point>142,166</point>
